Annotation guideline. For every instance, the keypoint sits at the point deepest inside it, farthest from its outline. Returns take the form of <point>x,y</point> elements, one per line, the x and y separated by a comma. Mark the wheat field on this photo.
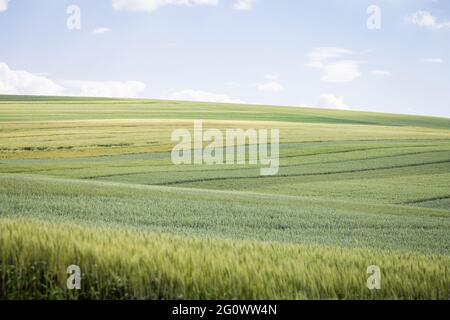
<point>90,182</point>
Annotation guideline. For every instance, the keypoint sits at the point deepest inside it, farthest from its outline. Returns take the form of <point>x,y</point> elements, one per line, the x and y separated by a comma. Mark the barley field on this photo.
<point>90,182</point>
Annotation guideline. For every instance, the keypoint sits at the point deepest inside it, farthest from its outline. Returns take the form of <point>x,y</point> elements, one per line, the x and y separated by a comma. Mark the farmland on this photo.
<point>90,182</point>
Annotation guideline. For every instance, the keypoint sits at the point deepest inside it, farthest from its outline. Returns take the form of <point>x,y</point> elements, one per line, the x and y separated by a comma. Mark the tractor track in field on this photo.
<point>302,174</point>
<point>427,200</point>
<point>286,166</point>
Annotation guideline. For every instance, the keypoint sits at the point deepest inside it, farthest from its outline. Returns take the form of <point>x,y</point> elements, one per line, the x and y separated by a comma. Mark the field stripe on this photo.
<point>305,174</point>
<point>379,208</point>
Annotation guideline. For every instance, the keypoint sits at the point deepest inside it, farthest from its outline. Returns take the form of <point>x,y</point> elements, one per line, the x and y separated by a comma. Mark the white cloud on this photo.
<point>116,89</point>
<point>329,100</point>
<point>334,68</point>
<point>3,5</point>
<point>199,95</point>
<point>427,20</point>
<point>341,71</point>
<point>243,4</point>
<point>270,87</point>
<point>101,30</point>
<point>152,5</point>
<point>26,83</point>
<point>326,53</point>
<point>433,60</point>
<point>381,73</point>
<point>272,77</point>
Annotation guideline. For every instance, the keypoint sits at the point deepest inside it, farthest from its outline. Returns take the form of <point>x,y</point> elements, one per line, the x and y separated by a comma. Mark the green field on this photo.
<point>90,182</point>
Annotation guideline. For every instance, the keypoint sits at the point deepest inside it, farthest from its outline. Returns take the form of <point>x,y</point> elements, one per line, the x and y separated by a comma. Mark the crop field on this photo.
<point>90,182</point>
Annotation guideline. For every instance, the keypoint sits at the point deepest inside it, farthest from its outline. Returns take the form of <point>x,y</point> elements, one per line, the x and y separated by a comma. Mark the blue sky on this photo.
<point>283,52</point>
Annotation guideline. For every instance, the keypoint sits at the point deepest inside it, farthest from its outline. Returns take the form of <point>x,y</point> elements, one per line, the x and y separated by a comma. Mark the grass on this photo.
<point>130,265</point>
<point>225,214</point>
<point>29,108</point>
<point>354,189</point>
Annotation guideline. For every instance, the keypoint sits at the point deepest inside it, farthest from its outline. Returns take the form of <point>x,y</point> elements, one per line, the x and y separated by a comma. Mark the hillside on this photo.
<point>357,183</point>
